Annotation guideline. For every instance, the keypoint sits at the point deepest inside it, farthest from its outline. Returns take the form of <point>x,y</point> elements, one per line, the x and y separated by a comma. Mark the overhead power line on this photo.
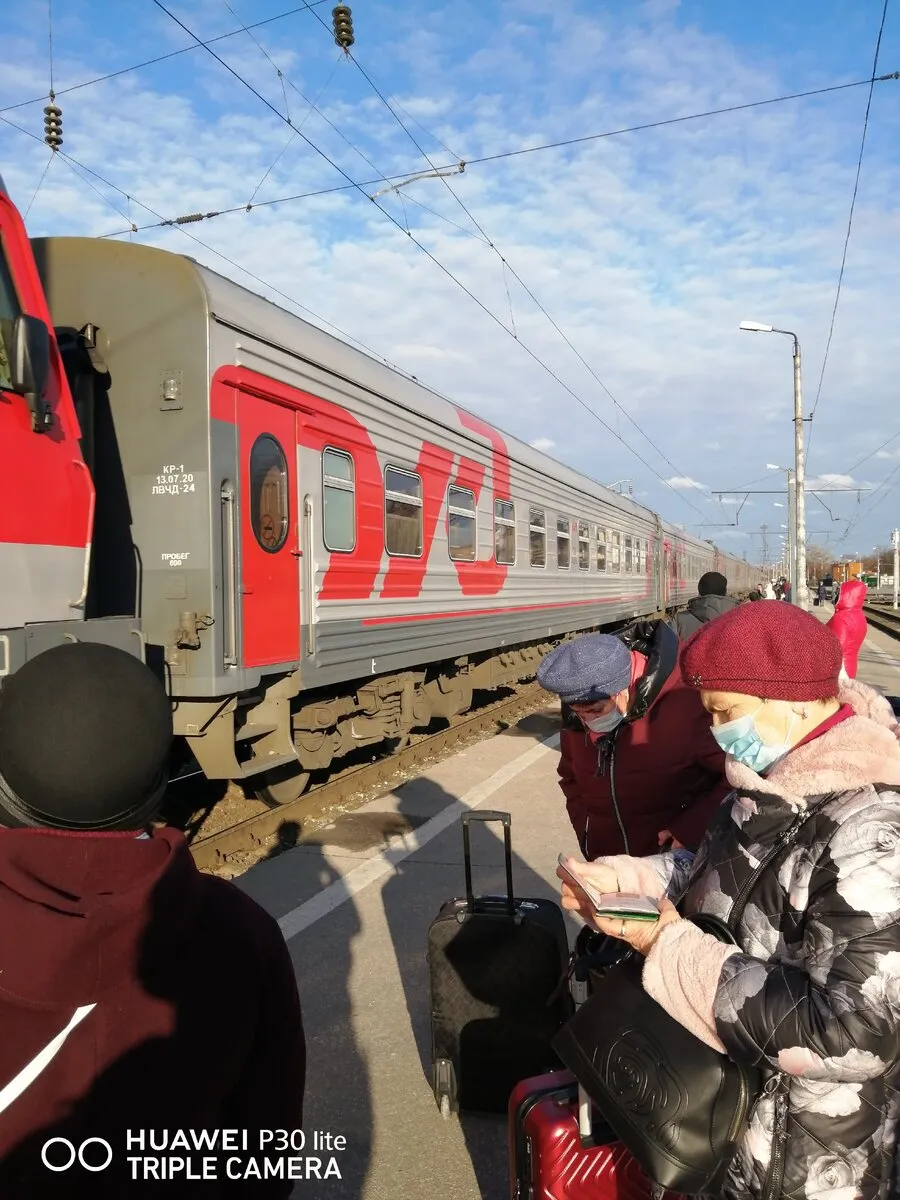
<point>507,266</point>
<point>446,270</point>
<point>76,166</point>
<point>151,62</point>
<point>353,185</point>
<point>862,147</point>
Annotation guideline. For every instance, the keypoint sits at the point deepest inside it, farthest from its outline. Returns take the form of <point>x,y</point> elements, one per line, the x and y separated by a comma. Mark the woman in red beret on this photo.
<point>811,992</point>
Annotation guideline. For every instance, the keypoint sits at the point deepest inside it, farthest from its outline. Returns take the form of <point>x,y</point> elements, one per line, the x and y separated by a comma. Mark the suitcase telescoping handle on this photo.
<point>506,820</point>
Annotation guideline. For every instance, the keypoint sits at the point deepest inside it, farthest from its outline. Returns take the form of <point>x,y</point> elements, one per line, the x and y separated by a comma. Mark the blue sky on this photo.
<point>646,248</point>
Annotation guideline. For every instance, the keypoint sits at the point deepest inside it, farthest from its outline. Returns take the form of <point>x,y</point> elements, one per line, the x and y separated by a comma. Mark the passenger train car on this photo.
<point>317,552</point>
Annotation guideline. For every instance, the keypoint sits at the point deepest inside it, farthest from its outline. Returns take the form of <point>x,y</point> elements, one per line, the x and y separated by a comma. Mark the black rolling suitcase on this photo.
<point>498,968</point>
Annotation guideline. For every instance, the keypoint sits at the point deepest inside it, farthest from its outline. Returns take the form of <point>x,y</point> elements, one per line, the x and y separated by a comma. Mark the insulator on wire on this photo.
<point>53,125</point>
<point>343,26</point>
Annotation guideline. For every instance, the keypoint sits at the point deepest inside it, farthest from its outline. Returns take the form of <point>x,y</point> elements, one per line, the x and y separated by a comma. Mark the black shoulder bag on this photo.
<point>680,1107</point>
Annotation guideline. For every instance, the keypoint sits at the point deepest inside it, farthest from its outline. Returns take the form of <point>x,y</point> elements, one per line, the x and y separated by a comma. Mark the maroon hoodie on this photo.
<point>196,1024</point>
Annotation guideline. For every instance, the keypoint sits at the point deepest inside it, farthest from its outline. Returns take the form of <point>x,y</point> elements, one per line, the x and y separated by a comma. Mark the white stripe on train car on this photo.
<point>383,863</point>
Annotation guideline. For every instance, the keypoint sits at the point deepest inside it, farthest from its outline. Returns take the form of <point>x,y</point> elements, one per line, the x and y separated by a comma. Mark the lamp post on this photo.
<point>801,593</point>
<point>792,526</point>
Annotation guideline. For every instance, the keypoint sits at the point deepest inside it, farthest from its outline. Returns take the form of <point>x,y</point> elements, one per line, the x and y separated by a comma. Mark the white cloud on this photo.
<point>683,483</point>
<point>833,481</point>
<point>648,249</point>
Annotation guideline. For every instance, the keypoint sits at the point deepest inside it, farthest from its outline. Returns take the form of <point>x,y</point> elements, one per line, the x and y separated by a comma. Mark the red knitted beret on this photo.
<point>770,649</point>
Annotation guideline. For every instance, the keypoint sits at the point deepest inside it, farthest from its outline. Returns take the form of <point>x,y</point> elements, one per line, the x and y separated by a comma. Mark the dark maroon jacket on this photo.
<point>197,1023</point>
<point>662,762</point>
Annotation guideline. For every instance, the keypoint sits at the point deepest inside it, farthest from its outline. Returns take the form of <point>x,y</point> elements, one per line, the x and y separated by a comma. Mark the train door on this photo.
<point>664,555</point>
<point>270,577</point>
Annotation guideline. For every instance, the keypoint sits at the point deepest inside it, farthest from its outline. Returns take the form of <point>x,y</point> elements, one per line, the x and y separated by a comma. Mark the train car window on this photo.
<point>461,524</point>
<point>505,532</point>
<point>338,501</point>
<point>601,548</point>
<point>584,546</point>
<point>537,536</point>
<point>9,310</point>
<point>402,513</point>
<point>629,558</point>
<point>616,555</point>
<point>563,538</point>
<point>270,510</point>
<point>649,558</point>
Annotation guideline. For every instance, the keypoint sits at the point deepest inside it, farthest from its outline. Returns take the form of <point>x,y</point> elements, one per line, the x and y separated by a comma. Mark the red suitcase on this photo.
<point>549,1159</point>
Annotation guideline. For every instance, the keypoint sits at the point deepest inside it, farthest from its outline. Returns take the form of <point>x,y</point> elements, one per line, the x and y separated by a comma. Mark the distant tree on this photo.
<point>818,560</point>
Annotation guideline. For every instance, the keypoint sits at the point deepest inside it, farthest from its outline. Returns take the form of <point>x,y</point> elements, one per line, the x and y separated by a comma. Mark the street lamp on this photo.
<point>792,527</point>
<point>801,594</point>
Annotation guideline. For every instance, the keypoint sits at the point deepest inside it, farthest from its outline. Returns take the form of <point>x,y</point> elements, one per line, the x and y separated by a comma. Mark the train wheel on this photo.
<point>282,786</point>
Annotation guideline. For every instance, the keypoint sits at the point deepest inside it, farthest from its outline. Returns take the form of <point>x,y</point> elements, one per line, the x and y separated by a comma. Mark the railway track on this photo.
<point>352,788</point>
<point>883,617</point>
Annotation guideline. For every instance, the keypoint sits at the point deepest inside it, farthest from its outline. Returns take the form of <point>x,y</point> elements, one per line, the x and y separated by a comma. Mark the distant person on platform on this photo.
<point>849,625</point>
<point>787,591</point>
<point>135,993</point>
<point>639,767</point>
<point>822,592</point>
<point>768,590</point>
<point>711,601</point>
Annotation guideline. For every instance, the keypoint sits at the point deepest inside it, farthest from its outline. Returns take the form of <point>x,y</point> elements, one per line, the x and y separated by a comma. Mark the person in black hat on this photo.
<point>170,995</point>
<point>711,601</point>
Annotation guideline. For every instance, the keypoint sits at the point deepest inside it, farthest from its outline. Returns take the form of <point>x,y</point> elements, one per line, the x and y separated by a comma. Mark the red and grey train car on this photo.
<point>318,552</point>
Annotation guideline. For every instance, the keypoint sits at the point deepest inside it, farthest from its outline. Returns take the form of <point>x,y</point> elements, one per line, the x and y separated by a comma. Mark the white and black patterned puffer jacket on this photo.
<point>814,995</point>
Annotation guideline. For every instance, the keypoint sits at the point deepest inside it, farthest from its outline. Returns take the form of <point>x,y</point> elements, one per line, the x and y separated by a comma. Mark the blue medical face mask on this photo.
<point>605,724</point>
<point>740,739</point>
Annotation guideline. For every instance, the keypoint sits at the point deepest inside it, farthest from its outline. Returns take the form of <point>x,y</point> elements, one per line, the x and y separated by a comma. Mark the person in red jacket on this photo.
<point>639,767</point>
<point>849,623</point>
<point>137,996</point>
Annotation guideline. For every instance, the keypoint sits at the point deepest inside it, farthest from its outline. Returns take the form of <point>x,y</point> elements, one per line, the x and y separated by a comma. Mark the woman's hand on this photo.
<point>640,935</point>
<point>601,878</point>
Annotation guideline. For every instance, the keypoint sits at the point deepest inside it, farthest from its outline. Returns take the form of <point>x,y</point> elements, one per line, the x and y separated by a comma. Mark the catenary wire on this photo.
<point>866,457</point>
<point>39,186</point>
<point>50,40</point>
<point>353,185</point>
<point>446,270</point>
<point>73,163</point>
<point>862,147</point>
<point>150,62</point>
<point>313,107</point>
<point>506,265</point>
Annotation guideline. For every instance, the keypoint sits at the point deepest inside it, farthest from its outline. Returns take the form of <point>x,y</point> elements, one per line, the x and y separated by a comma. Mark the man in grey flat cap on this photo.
<point>639,767</point>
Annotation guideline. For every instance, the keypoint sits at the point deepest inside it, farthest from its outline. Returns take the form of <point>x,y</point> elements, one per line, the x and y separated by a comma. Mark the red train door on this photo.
<point>270,576</point>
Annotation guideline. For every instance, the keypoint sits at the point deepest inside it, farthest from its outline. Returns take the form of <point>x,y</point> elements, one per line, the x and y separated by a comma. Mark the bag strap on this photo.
<point>782,846</point>
<point>14,1089</point>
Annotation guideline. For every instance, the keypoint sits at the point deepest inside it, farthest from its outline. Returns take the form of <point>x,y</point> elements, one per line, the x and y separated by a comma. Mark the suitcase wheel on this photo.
<point>444,1086</point>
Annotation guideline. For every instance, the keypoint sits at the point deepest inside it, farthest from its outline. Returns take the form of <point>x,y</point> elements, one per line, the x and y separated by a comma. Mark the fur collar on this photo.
<point>864,749</point>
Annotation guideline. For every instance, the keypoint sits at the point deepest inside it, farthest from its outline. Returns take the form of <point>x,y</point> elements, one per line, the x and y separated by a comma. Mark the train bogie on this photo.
<point>321,553</point>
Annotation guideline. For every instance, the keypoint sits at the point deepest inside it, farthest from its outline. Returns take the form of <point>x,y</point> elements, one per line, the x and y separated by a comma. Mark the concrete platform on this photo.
<point>355,906</point>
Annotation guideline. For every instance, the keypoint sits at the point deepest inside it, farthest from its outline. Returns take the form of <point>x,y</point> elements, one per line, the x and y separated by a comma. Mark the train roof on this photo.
<point>231,305</point>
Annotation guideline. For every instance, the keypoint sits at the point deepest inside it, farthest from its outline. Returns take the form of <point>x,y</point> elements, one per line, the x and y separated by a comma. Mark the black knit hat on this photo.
<point>712,584</point>
<point>85,732</point>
